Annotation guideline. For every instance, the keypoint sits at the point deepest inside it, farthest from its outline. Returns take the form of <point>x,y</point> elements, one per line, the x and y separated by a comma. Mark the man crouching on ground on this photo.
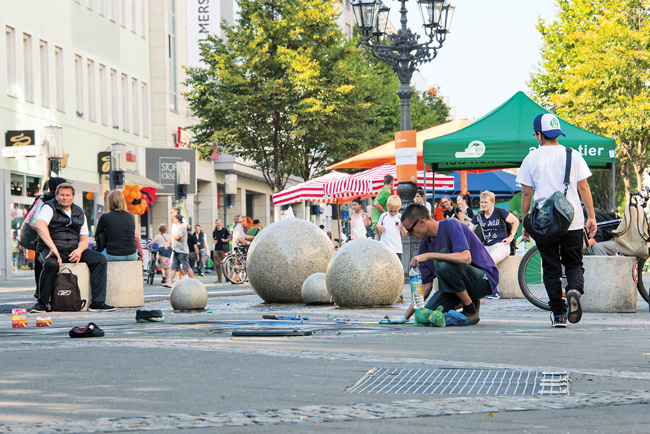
<point>450,251</point>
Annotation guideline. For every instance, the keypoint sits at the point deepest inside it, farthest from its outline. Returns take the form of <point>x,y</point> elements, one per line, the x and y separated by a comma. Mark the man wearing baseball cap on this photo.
<point>543,171</point>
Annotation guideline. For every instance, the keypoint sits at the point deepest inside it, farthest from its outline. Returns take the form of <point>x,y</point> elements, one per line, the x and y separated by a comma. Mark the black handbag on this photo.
<point>548,223</point>
<point>100,242</point>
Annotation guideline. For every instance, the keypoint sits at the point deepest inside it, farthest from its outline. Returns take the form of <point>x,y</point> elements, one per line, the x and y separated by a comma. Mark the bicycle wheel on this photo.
<point>530,279</point>
<point>152,272</point>
<point>234,270</point>
<point>637,274</point>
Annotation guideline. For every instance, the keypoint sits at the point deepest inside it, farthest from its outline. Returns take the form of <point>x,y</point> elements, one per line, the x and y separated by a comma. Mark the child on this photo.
<point>390,226</point>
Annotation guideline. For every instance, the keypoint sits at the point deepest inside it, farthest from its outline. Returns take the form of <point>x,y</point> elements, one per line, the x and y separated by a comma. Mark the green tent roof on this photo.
<point>503,138</point>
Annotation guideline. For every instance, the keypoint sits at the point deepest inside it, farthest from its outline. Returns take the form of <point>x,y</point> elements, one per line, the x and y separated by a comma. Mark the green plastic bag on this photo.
<point>426,317</point>
<point>437,318</point>
<point>209,263</point>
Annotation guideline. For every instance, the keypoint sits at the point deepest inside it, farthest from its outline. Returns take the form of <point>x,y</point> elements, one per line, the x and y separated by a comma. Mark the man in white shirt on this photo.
<point>543,171</point>
<point>239,234</point>
<point>63,237</point>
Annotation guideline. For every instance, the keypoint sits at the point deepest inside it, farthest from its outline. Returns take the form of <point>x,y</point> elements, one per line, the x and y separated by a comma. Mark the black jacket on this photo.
<point>64,230</point>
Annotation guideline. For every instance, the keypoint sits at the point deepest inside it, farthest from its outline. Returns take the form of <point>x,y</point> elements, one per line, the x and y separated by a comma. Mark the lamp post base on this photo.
<point>406,191</point>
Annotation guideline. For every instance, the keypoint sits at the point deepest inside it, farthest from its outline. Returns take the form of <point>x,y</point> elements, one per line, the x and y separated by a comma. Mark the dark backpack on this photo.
<point>66,296</point>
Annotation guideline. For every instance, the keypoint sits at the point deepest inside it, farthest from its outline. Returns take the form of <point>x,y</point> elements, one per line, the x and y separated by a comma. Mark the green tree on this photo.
<point>285,90</point>
<point>428,110</point>
<point>595,72</point>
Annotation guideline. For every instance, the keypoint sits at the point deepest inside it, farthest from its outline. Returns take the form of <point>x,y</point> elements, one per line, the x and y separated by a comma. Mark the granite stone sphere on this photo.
<point>188,294</point>
<point>283,255</point>
<point>365,273</point>
<point>314,290</point>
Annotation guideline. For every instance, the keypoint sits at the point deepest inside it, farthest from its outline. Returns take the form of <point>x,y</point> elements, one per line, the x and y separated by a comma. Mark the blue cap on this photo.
<point>548,124</point>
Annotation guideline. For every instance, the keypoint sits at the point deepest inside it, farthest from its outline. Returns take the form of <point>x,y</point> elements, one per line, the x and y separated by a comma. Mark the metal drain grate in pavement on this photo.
<point>462,382</point>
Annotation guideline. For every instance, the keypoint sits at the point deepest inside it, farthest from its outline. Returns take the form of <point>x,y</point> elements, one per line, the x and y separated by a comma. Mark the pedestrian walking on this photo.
<point>543,171</point>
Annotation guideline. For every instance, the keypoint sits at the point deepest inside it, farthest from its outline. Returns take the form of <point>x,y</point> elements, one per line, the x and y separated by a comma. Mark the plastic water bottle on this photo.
<point>417,296</point>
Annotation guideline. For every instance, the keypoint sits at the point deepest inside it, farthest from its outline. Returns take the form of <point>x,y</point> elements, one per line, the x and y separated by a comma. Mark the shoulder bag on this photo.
<point>548,223</point>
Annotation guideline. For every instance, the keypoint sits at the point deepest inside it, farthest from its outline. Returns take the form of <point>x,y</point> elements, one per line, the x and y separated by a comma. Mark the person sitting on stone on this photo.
<point>63,237</point>
<point>450,252</point>
<point>119,227</point>
<point>449,211</point>
<point>603,242</point>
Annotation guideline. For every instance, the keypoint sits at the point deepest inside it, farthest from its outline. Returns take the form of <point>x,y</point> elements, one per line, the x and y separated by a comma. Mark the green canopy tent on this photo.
<point>504,137</point>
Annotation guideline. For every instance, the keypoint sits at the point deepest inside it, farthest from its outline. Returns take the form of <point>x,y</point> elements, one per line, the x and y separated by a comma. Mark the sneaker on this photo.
<point>148,316</point>
<point>573,302</point>
<point>38,308</point>
<point>100,307</point>
<point>495,296</point>
<point>472,318</point>
<point>558,320</point>
<point>201,275</point>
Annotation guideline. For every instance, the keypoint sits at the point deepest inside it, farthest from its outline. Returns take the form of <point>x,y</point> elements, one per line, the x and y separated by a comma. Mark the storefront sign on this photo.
<point>19,138</point>
<point>21,151</point>
<point>161,167</point>
<point>104,162</point>
<point>203,18</point>
<point>182,138</point>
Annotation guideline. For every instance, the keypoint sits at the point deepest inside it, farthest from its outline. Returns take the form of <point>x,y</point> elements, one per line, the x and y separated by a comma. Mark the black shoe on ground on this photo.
<point>201,275</point>
<point>573,302</point>
<point>90,331</point>
<point>472,318</point>
<point>38,308</point>
<point>558,320</point>
<point>101,307</point>
<point>148,316</point>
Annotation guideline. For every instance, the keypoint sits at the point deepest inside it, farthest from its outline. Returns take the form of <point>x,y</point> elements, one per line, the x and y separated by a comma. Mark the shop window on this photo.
<point>17,184</point>
<point>32,186</point>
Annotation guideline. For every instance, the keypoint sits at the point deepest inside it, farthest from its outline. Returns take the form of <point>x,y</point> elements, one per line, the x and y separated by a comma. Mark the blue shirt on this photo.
<point>453,237</point>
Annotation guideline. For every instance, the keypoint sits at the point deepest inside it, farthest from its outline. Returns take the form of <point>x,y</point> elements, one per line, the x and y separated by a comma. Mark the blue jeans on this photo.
<point>112,258</point>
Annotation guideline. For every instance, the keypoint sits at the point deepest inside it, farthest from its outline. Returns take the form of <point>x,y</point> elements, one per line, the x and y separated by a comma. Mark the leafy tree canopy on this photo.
<point>595,72</point>
<point>287,91</point>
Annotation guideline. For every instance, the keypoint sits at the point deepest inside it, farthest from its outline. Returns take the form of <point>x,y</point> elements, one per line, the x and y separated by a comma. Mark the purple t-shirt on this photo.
<point>453,237</point>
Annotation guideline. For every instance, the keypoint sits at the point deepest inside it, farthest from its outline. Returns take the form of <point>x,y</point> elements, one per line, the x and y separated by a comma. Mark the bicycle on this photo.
<point>233,265</point>
<point>530,272</point>
<point>150,272</point>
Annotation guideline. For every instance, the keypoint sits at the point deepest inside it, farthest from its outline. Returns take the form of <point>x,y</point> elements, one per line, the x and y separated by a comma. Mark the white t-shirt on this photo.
<point>238,232</point>
<point>392,236</point>
<point>543,169</point>
<point>47,213</point>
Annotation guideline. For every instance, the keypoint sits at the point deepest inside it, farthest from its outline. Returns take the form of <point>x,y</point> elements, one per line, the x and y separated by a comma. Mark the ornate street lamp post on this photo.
<point>404,53</point>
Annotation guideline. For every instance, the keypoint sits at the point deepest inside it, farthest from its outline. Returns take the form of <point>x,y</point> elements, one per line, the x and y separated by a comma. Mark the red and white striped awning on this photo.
<point>369,182</point>
<point>311,190</point>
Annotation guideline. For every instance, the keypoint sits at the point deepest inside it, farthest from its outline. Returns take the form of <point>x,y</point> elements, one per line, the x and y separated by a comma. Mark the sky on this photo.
<point>489,54</point>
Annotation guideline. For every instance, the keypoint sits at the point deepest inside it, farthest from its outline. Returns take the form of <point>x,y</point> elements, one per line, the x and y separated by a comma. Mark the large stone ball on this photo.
<point>365,273</point>
<point>283,255</point>
<point>314,290</point>
<point>188,294</point>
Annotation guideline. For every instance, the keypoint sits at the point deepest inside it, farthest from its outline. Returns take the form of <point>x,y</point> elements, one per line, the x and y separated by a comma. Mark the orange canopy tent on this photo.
<point>385,154</point>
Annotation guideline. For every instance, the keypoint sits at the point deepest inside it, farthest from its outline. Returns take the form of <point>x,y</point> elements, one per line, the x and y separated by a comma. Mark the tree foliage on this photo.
<point>595,73</point>
<point>288,92</point>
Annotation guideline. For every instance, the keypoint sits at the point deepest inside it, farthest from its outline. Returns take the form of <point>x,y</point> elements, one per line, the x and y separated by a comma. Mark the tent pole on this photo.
<point>338,214</point>
<point>612,181</point>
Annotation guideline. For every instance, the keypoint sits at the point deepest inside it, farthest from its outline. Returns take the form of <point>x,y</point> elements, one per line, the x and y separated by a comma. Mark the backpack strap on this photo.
<point>567,170</point>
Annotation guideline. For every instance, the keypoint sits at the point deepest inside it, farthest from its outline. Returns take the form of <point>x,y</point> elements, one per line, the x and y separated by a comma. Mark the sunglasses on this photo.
<point>410,230</point>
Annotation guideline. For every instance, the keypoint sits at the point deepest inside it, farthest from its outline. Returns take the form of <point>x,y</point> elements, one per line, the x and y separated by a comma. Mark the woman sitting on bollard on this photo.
<point>118,226</point>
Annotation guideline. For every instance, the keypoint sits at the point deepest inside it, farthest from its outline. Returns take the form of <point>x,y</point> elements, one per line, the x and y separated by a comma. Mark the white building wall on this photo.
<point>97,39</point>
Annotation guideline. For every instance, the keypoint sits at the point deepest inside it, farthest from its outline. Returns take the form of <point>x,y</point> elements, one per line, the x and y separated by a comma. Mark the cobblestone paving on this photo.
<point>335,413</point>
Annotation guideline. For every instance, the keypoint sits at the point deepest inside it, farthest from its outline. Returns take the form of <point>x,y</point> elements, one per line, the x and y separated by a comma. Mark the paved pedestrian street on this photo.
<point>189,373</point>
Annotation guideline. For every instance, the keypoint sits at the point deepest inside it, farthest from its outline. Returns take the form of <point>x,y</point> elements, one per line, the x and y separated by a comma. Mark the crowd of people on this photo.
<point>458,246</point>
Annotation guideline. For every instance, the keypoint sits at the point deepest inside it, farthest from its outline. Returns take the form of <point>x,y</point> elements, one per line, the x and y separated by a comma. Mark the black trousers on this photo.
<point>568,252</point>
<point>96,264</point>
<point>455,278</point>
